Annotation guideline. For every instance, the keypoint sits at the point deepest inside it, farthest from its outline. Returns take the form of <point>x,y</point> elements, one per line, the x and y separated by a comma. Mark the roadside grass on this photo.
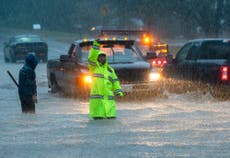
<point>56,35</point>
<point>60,36</point>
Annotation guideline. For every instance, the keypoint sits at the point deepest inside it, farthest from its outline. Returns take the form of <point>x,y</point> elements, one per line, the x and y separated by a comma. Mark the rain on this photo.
<point>181,120</point>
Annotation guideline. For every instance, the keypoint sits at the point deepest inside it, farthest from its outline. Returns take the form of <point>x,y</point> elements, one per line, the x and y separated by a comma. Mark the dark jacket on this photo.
<point>27,78</point>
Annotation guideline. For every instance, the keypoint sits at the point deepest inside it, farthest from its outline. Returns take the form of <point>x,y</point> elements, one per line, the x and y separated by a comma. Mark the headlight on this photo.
<point>87,79</point>
<point>85,76</point>
<point>154,76</point>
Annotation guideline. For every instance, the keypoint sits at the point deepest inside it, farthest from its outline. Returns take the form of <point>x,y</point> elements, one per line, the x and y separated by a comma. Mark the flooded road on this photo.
<point>190,124</point>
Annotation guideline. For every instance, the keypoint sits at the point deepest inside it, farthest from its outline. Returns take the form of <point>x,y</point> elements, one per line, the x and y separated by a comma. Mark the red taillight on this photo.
<point>224,70</point>
<point>41,54</point>
<point>158,62</point>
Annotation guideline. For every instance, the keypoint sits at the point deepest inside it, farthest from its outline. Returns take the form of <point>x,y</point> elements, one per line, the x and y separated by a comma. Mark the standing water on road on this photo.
<point>191,124</point>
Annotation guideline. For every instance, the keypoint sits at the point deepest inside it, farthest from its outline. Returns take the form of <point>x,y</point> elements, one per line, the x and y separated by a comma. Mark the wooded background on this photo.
<point>165,18</point>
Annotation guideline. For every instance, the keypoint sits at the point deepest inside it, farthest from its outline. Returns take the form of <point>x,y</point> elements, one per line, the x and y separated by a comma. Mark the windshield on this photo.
<point>27,39</point>
<point>116,53</point>
<point>216,50</point>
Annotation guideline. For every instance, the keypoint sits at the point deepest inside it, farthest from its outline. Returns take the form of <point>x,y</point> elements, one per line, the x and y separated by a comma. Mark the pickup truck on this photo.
<point>69,74</point>
<point>206,60</point>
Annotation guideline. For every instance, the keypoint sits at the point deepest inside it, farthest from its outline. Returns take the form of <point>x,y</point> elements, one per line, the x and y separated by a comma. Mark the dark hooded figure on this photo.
<point>27,84</point>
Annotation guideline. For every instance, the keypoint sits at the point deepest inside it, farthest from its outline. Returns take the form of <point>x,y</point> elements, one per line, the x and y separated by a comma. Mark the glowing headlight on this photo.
<point>154,76</point>
<point>87,79</point>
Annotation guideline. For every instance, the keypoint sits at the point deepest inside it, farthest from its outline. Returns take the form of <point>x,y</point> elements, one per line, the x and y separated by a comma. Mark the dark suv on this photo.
<point>206,60</point>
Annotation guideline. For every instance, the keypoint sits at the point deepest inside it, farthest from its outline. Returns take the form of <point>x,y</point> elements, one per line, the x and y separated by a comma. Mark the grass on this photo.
<point>59,36</point>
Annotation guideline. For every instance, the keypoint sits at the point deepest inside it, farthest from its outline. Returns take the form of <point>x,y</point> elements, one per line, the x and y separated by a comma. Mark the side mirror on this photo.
<point>151,55</point>
<point>64,58</point>
<point>169,58</point>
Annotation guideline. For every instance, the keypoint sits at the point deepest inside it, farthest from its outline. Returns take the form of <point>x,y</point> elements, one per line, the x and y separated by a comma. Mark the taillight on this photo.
<point>41,54</point>
<point>224,70</point>
<point>21,55</point>
<point>158,62</point>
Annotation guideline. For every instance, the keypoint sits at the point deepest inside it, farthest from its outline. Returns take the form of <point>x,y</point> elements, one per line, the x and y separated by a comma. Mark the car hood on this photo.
<point>132,72</point>
<point>131,65</point>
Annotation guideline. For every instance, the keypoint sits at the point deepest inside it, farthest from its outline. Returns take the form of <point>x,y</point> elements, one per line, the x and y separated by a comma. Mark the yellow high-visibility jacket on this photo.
<point>104,84</point>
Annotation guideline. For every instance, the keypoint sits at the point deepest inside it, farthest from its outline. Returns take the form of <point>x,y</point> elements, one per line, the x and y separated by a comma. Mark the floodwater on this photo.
<point>191,124</point>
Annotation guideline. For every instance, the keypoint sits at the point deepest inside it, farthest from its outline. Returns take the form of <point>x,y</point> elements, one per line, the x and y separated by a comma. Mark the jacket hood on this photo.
<point>102,53</point>
<point>31,61</point>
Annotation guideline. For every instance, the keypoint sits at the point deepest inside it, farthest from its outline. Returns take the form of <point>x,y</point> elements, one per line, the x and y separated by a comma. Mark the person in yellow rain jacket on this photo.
<point>104,84</point>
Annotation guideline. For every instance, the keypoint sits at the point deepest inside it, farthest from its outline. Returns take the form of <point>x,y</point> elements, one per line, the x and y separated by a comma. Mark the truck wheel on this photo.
<point>6,59</point>
<point>45,59</point>
<point>12,57</point>
<point>54,85</point>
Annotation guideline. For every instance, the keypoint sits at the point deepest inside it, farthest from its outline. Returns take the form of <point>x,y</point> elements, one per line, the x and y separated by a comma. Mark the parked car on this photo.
<point>206,60</point>
<point>18,46</point>
<point>70,74</point>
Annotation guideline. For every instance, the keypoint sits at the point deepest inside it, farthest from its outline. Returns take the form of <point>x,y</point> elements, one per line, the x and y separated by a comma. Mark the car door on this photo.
<point>211,58</point>
<point>183,65</point>
<point>68,77</point>
<point>191,61</point>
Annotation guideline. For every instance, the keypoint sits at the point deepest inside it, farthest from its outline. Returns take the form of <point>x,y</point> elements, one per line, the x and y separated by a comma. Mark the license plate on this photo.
<point>141,87</point>
<point>127,88</point>
<point>33,53</point>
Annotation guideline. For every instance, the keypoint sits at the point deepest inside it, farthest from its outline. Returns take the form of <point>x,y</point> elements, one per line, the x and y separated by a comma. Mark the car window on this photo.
<point>28,39</point>
<point>117,53</point>
<point>121,53</point>
<point>193,52</point>
<point>72,51</point>
<point>85,52</point>
<point>182,54</point>
<point>216,50</point>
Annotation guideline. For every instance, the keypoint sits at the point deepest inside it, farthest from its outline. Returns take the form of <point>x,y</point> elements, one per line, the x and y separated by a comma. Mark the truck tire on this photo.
<point>12,57</point>
<point>54,85</point>
<point>45,59</point>
<point>6,59</point>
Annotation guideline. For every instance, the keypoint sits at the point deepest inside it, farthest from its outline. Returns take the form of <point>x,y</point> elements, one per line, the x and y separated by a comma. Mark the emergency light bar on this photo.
<point>124,32</point>
<point>144,35</point>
